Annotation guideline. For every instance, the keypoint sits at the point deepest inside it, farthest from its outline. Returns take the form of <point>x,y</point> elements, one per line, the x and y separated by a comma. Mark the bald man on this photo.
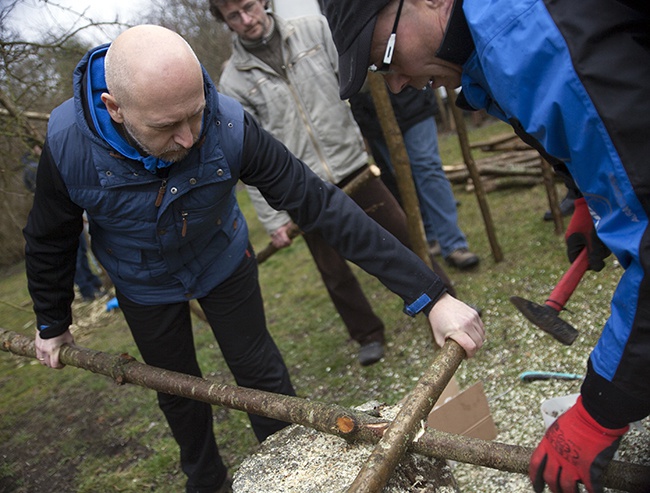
<point>153,154</point>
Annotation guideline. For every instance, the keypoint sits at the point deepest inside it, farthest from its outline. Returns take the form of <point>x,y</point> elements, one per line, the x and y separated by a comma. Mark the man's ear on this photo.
<point>113,108</point>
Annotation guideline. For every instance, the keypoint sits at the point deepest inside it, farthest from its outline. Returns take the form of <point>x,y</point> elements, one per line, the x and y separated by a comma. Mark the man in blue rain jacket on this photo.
<point>573,80</point>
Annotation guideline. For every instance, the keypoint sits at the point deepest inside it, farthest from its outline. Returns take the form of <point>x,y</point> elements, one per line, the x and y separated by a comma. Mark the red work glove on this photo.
<point>574,448</point>
<point>581,234</point>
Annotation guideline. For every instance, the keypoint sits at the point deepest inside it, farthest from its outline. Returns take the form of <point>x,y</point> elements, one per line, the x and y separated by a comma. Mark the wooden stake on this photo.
<point>387,454</point>
<point>461,129</point>
<point>400,160</point>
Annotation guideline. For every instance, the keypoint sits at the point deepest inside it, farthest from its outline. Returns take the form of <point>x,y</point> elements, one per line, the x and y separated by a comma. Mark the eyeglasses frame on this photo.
<point>390,46</point>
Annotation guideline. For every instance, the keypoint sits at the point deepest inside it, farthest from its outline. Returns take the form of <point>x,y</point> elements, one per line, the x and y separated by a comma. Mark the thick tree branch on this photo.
<point>328,418</point>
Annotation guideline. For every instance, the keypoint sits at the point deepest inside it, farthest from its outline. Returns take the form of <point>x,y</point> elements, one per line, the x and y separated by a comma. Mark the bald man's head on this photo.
<point>147,57</point>
<point>155,89</point>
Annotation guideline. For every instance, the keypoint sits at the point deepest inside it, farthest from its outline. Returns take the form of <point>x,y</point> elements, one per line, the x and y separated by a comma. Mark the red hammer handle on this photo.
<point>569,281</point>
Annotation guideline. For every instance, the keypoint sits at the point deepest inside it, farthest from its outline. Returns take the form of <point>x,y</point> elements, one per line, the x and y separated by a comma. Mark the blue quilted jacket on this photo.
<point>176,232</point>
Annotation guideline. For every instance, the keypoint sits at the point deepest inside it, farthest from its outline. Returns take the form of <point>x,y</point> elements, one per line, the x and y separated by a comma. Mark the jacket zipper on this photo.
<point>310,129</point>
<point>184,228</point>
<point>161,192</point>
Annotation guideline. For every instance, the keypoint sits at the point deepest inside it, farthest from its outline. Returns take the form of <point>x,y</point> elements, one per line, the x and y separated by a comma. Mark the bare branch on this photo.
<point>328,418</point>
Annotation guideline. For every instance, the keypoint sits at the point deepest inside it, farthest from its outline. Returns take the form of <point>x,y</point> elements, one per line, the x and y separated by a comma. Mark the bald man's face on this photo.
<point>159,80</point>
<point>170,142</point>
<point>166,120</point>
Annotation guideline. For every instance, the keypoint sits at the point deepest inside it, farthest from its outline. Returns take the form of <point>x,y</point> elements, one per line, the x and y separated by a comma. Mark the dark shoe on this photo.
<point>434,248</point>
<point>226,487</point>
<point>371,353</point>
<point>566,209</point>
<point>462,259</point>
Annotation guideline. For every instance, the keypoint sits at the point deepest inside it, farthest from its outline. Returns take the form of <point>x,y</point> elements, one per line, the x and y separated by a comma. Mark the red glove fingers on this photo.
<point>575,448</point>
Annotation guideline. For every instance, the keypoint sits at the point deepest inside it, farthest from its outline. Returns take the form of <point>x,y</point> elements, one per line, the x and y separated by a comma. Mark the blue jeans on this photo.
<point>84,277</point>
<point>437,201</point>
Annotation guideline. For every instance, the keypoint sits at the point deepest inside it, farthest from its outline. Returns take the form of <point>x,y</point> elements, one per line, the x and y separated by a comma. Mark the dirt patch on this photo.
<point>32,459</point>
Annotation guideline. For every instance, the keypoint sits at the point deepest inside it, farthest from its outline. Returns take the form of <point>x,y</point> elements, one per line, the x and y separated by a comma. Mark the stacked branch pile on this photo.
<point>513,163</point>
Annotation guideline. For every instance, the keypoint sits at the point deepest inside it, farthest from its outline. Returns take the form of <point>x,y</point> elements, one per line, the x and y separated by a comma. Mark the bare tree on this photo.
<point>35,77</point>
<point>192,19</point>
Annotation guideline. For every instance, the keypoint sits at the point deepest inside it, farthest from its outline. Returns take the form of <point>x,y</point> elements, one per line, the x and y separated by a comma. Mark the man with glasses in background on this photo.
<point>284,73</point>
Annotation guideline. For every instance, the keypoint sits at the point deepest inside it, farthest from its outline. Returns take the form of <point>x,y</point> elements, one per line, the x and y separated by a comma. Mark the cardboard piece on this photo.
<point>463,413</point>
<point>452,389</point>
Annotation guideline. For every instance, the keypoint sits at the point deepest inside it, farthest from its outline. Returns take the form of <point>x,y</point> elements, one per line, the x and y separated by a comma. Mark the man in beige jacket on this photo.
<point>284,72</point>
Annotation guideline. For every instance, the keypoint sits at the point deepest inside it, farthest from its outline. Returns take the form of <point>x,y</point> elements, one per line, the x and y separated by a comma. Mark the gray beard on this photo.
<point>177,155</point>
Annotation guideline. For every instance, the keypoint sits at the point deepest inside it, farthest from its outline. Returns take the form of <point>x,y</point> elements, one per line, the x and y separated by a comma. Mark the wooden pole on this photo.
<point>400,160</point>
<point>402,167</point>
<point>388,452</point>
<point>551,193</point>
<point>356,427</point>
<point>461,129</point>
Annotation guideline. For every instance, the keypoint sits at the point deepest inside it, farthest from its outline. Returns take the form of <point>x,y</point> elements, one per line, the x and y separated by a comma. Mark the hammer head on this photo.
<point>547,319</point>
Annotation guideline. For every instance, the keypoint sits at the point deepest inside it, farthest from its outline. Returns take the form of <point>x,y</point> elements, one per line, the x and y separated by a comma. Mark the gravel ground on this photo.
<point>515,405</point>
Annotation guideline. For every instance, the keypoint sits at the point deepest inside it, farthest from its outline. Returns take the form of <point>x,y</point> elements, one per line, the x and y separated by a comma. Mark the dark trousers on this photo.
<point>163,335</point>
<point>341,284</point>
<point>381,205</point>
<point>346,293</point>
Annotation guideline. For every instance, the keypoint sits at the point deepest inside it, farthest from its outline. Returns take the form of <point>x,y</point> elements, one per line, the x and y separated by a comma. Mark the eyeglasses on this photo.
<point>235,17</point>
<point>390,47</point>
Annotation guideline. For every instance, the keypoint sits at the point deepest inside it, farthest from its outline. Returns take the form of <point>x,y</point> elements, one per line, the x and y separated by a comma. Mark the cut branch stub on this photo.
<point>346,424</point>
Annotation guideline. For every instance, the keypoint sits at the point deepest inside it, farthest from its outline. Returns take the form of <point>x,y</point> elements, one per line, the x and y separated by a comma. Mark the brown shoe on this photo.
<point>462,259</point>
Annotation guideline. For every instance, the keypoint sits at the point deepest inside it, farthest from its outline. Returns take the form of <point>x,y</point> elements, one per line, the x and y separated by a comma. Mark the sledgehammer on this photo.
<point>547,316</point>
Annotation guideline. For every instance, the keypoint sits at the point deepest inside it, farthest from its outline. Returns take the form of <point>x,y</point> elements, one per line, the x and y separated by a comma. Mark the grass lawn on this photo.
<point>74,431</point>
